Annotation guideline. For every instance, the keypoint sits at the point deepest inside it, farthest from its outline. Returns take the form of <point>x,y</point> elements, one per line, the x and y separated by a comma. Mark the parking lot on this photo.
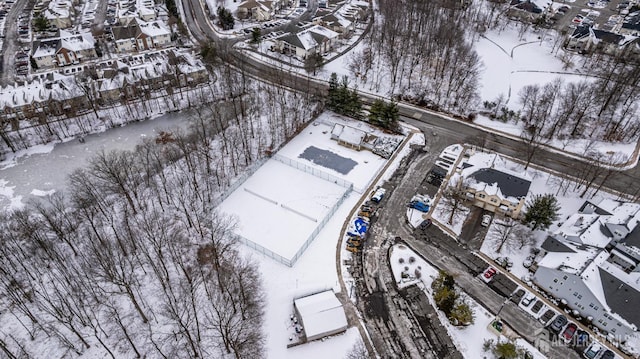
<point>608,15</point>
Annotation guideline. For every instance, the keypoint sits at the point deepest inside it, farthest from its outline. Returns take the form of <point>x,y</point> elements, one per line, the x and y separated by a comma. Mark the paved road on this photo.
<point>443,252</point>
<point>11,45</point>
<point>623,181</point>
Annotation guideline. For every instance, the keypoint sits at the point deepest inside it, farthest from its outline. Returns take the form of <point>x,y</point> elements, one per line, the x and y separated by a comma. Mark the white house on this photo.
<point>141,36</point>
<point>65,49</point>
<point>316,39</point>
<point>591,264</point>
<point>256,9</point>
<point>59,13</point>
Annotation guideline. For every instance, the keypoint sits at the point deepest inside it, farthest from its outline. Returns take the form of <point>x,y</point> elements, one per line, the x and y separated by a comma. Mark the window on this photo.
<point>480,195</point>
<point>579,296</point>
<point>565,277</point>
<point>575,294</point>
<point>591,305</point>
<point>596,307</point>
<point>493,200</point>
<point>555,280</point>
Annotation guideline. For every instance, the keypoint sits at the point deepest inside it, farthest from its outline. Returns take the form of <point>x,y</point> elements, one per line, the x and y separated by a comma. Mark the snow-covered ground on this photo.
<point>279,207</point>
<point>316,269</point>
<point>469,340</point>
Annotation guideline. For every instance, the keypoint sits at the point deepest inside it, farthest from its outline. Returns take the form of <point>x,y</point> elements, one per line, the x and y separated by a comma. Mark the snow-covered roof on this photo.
<point>69,40</point>
<point>569,262</point>
<point>78,42</point>
<point>348,134</point>
<point>321,313</point>
<point>153,29</point>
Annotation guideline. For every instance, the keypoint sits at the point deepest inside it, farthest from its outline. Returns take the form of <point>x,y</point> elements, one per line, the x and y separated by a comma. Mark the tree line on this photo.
<point>135,261</point>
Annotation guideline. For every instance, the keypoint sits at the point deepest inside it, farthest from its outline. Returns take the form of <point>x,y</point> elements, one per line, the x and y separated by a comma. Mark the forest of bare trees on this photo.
<point>422,49</point>
<point>135,261</point>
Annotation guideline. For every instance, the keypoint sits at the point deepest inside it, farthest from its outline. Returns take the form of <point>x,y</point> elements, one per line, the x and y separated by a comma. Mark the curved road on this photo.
<point>622,181</point>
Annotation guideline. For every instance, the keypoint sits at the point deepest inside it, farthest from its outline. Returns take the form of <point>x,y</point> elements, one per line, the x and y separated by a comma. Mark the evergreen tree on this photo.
<point>462,314</point>
<point>343,100</point>
<point>506,350</point>
<point>256,35</point>
<point>172,8</point>
<point>541,211</point>
<point>384,114</point>
<point>225,18</point>
<point>40,23</point>
<point>333,91</point>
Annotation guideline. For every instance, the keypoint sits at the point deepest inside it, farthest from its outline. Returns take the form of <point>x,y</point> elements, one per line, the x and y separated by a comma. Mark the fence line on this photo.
<point>300,166</point>
<point>239,181</point>
<point>298,213</point>
<point>313,171</point>
<point>260,196</point>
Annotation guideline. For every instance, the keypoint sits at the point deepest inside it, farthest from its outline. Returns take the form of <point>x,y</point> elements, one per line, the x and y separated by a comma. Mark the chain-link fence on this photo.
<point>313,171</point>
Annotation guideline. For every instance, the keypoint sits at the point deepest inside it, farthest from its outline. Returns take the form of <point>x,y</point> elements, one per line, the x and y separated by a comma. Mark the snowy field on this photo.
<point>279,206</point>
<point>316,270</point>
<point>279,194</point>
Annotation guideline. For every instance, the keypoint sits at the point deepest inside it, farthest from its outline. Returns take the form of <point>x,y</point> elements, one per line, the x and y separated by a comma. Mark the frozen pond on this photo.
<point>41,173</point>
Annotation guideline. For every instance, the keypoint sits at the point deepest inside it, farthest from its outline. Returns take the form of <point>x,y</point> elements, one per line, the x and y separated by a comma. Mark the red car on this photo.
<point>490,273</point>
<point>569,332</point>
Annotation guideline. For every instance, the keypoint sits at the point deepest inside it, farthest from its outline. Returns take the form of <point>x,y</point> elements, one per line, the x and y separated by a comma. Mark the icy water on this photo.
<point>38,174</point>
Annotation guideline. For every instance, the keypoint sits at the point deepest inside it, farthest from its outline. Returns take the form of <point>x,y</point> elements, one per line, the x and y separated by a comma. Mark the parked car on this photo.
<point>536,306</point>
<point>558,323</point>
<point>378,195</point>
<point>592,351</point>
<point>419,206</point>
<point>569,332</point>
<point>486,220</point>
<point>425,224</point>
<point>608,354</point>
<point>490,273</point>
<point>517,296</point>
<point>351,248</point>
<point>526,301</point>
<point>546,317</point>
<point>581,339</point>
<point>354,241</point>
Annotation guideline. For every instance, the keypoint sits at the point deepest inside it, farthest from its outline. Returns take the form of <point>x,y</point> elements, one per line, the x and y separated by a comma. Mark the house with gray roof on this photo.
<point>590,264</point>
<point>497,191</point>
<point>313,40</point>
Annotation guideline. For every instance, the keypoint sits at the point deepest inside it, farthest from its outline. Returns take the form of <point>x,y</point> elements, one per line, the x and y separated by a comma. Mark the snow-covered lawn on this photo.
<point>469,340</point>
<point>316,269</point>
<point>279,207</point>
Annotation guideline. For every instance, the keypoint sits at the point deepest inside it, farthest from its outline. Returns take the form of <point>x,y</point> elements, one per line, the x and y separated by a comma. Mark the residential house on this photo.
<point>59,13</point>
<point>529,9</point>
<point>316,39</point>
<point>129,11</point>
<point>141,36</point>
<point>609,42</point>
<point>337,23</point>
<point>578,40</point>
<point>66,49</point>
<point>590,264</point>
<point>258,10</point>
<point>498,191</point>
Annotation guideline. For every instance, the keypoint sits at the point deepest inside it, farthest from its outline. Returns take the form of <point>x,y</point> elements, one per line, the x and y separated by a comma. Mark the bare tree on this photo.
<point>510,233</point>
